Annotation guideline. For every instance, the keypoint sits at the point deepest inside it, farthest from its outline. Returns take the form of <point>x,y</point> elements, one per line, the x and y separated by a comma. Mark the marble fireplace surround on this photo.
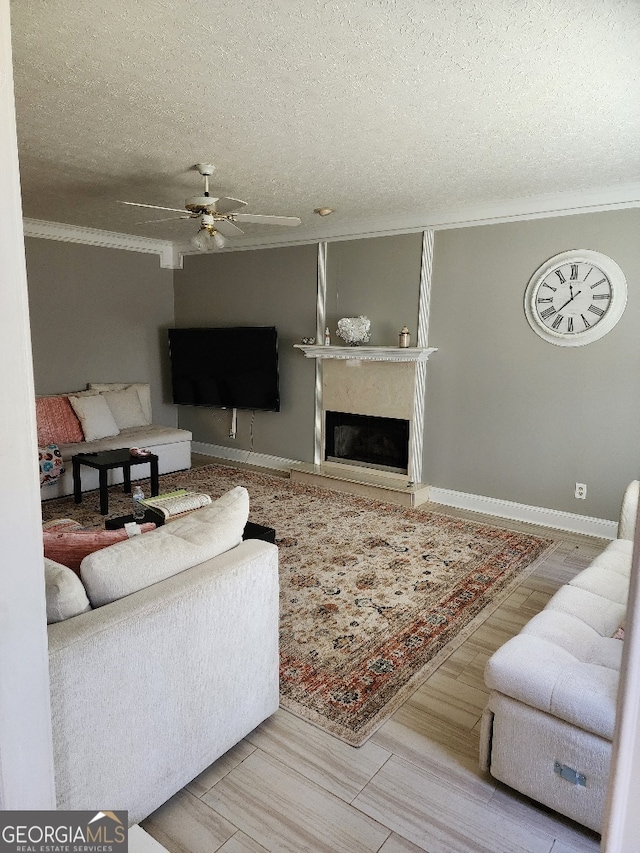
<point>384,382</point>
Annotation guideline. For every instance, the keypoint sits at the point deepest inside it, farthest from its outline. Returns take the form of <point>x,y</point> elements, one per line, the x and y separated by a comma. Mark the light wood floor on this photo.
<point>289,787</point>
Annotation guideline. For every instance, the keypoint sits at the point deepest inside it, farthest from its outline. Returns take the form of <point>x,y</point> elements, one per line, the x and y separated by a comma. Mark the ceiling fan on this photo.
<point>217,215</point>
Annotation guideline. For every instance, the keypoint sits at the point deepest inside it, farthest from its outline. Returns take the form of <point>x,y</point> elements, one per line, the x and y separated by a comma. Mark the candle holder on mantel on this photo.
<point>404,338</point>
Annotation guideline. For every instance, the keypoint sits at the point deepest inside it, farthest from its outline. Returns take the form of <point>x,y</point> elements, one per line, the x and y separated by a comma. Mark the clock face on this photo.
<point>575,298</point>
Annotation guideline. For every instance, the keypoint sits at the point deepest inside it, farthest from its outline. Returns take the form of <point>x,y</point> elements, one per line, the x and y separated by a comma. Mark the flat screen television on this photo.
<point>228,368</point>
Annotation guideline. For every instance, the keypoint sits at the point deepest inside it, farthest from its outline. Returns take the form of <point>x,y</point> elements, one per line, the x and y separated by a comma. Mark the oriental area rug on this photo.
<point>373,596</point>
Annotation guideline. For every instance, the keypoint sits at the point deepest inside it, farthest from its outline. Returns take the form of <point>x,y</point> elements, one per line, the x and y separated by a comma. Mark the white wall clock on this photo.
<point>575,298</point>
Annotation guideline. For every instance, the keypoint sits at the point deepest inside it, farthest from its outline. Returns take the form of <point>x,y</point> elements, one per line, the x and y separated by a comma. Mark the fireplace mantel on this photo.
<point>415,354</point>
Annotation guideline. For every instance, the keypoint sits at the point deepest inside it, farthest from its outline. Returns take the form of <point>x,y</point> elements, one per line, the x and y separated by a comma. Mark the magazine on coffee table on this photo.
<point>178,502</point>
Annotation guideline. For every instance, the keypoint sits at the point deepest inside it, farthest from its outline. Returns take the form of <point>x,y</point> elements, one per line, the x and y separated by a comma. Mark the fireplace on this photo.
<point>364,440</point>
<point>369,418</point>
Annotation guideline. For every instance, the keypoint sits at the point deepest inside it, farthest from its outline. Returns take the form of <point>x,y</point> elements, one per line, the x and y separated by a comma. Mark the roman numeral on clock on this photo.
<point>544,284</point>
<point>587,324</point>
<point>548,312</point>
<point>569,324</point>
<point>574,272</point>
<point>545,299</point>
<point>596,310</point>
<point>602,281</point>
<point>601,296</point>
<point>560,276</point>
<point>557,321</point>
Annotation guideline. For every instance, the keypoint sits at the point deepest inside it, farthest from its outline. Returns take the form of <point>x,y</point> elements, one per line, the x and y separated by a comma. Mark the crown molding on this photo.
<point>491,213</point>
<point>167,253</point>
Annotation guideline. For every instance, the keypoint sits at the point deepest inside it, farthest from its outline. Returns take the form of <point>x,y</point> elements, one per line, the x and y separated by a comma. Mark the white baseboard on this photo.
<point>585,524</point>
<point>247,457</point>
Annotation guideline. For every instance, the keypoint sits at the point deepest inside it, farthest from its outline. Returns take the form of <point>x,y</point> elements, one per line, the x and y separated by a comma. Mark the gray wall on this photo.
<point>378,277</point>
<point>509,415</point>
<point>267,287</point>
<point>99,315</point>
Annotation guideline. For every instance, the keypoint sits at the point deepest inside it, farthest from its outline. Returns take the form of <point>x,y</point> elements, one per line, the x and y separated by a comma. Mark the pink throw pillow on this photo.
<point>57,422</point>
<point>70,547</point>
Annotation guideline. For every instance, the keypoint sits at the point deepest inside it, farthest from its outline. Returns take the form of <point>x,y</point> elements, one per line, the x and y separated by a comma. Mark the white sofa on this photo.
<point>151,686</point>
<point>170,444</point>
<point>548,727</point>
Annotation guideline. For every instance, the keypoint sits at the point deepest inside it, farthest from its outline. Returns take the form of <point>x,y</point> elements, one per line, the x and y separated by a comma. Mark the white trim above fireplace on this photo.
<point>416,354</point>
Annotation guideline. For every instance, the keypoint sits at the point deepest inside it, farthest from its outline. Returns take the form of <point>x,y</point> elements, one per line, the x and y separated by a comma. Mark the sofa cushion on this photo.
<point>144,560</point>
<point>598,612</point>
<point>540,673</point>
<point>125,407</point>
<point>608,584</point>
<point>64,593</point>
<point>150,436</point>
<point>143,389</point>
<point>57,423</point>
<point>95,416</point>
<point>616,558</point>
<point>69,546</point>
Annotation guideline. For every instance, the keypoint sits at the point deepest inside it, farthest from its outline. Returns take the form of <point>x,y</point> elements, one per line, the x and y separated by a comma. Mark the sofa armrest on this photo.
<point>629,511</point>
<point>152,688</point>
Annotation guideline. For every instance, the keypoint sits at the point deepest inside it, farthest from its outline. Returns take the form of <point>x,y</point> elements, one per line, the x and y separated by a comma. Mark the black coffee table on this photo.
<point>104,461</point>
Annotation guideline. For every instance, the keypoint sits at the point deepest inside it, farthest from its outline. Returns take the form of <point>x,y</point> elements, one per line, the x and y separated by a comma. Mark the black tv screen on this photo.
<point>229,368</point>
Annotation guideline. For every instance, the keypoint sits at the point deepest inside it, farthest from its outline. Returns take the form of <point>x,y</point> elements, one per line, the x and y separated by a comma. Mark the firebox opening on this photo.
<point>373,442</point>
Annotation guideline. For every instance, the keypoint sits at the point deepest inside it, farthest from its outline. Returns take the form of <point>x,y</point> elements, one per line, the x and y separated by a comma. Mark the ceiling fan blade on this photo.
<point>227,228</point>
<point>168,219</point>
<point>267,220</point>
<point>152,206</point>
<point>227,205</point>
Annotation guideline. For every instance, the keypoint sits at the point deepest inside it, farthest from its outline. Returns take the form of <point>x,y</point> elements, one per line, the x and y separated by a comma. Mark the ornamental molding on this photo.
<point>493,213</point>
<point>168,254</point>
<point>596,200</point>
<point>415,354</point>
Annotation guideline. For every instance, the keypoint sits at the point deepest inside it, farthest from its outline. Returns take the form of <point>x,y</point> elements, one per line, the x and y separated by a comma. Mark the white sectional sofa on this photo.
<point>133,428</point>
<point>161,659</point>
<point>548,727</point>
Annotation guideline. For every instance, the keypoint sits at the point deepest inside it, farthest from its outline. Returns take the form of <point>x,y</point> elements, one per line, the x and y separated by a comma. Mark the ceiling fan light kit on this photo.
<point>217,215</point>
<point>208,238</point>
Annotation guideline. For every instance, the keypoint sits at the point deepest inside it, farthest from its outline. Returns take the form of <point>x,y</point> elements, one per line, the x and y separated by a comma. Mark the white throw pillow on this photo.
<point>143,389</point>
<point>125,407</point>
<point>95,417</point>
<point>65,595</point>
<point>138,562</point>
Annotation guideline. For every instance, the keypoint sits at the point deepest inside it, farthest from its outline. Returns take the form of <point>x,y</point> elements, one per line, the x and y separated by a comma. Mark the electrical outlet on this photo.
<point>581,491</point>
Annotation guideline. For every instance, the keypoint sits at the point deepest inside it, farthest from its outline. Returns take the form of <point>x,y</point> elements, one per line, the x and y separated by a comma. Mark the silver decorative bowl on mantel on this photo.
<point>354,330</point>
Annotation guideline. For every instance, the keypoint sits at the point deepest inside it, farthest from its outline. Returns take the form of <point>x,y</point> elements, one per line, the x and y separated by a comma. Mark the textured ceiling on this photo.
<point>367,106</point>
